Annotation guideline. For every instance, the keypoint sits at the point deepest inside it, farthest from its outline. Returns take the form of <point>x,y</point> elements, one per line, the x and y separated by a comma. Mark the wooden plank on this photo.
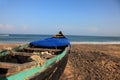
<point>47,56</point>
<point>14,68</point>
<point>42,49</point>
<point>53,72</point>
<point>22,53</point>
<point>8,65</point>
<point>20,67</point>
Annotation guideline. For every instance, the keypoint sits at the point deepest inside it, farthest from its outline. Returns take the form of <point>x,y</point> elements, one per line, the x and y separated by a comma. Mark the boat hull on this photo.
<point>54,72</point>
<point>51,70</point>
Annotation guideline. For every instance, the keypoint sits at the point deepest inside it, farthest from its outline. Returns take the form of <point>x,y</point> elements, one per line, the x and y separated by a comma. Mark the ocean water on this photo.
<point>26,38</point>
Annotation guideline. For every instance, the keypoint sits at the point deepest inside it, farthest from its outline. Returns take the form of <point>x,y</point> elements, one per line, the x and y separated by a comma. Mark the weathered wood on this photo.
<point>53,72</point>
<point>44,74</point>
<point>42,49</point>
<point>47,56</point>
<point>21,67</point>
<point>25,53</point>
<point>15,68</point>
<point>22,53</point>
<point>8,65</point>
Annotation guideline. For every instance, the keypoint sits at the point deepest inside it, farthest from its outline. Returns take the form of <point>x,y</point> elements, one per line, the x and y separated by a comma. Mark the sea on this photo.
<point>74,39</point>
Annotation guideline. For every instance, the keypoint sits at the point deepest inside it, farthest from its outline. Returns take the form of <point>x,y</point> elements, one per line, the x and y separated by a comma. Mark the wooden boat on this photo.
<point>35,62</point>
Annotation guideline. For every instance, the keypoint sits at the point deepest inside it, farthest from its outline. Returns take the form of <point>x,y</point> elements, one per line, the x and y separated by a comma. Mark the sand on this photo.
<point>3,46</point>
<point>90,62</point>
<point>93,62</point>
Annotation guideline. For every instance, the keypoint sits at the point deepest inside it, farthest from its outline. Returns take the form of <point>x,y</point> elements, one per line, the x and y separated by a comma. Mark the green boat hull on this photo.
<point>50,70</point>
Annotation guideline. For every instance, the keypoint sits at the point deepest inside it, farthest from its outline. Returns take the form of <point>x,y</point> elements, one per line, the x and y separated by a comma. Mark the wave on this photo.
<point>95,42</point>
<point>4,34</point>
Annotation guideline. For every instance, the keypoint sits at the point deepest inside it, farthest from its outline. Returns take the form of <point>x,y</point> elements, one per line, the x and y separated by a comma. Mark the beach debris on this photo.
<point>46,52</point>
<point>36,53</point>
<point>38,59</point>
<point>7,48</point>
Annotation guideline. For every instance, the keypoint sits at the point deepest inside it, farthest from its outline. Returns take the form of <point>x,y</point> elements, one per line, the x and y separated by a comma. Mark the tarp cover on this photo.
<point>51,42</point>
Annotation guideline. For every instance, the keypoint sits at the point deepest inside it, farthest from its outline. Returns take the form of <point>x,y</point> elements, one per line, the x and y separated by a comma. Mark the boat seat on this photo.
<point>8,65</point>
<point>21,53</point>
<point>30,54</point>
<point>12,68</point>
<point>42,49</point>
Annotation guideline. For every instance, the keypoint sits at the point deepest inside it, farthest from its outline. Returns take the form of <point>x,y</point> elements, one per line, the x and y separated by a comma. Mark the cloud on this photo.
<point>6,27</point>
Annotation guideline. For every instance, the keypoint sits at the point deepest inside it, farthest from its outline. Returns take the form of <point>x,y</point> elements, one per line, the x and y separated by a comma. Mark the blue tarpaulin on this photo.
<point>51,42</point>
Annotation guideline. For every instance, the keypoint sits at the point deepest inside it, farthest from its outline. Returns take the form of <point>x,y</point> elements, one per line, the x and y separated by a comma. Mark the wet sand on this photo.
<point>90,62</point>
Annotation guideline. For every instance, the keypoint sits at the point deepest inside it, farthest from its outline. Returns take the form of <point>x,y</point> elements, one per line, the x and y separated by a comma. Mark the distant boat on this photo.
<point>39,60</point>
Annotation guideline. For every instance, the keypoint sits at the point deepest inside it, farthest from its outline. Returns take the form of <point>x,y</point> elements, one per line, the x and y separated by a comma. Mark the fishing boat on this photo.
<point>39,60</point>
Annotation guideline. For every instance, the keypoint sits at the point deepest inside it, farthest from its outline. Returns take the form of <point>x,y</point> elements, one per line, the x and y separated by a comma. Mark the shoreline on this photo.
<point>95,42</point>
<point>70,43</point>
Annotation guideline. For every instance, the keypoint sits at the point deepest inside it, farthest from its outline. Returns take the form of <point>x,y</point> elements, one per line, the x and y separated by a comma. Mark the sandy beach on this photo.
<point>93,62</point>
<point>90,62</point>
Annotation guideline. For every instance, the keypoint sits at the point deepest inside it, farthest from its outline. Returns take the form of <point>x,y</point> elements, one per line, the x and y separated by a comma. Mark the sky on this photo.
<point>73,17</point>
